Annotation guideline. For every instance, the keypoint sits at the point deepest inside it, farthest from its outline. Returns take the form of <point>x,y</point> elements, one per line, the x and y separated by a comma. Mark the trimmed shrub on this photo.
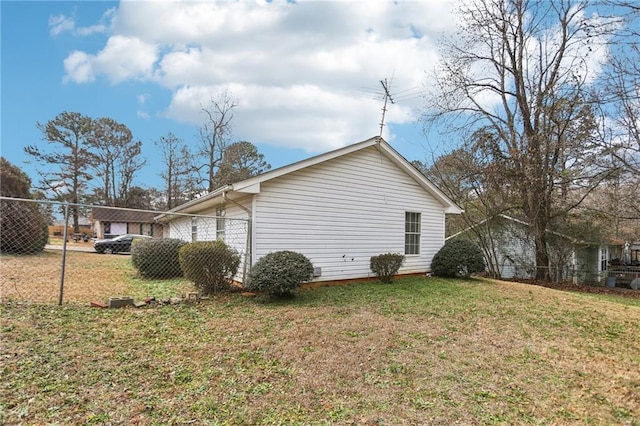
<point>458,258</point>
<point>157,258</point>
<point>210,265</point>
<point>385,266</point>
<point>23,229</point>
<point>280,273</point>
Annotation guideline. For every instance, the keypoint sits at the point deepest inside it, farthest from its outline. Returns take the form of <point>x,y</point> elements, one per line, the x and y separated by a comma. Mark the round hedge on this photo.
<point>23,229</point>
<point>280,273</point>
<point>157,258</point>
<point>210,265</point>
<point>458,258</point>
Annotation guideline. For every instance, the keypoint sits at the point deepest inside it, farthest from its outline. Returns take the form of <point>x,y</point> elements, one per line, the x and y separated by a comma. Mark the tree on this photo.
<point>240,161</point>
<point>137,198</point>
<point>117,159</point>
<point>177,173</point>
<point>67,168</point>
<point>23,230</point>
<point>214,135</point>
<point>476,184</point>
<point>518,77</point>
<point>620,93</point>
<point>14,183</point>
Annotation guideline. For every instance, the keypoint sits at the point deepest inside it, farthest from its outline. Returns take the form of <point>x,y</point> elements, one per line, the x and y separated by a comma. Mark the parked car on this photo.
<point>120,244</point>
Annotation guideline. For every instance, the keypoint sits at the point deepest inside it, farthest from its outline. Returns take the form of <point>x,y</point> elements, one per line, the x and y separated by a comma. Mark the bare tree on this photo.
<point>214,135</point>
<point>177,173</point>
<point>519,74</point>
<point>620,93</point>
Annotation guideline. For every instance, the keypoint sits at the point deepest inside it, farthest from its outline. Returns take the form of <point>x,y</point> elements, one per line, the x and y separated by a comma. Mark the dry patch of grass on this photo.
<point>88,277</point>
<point>419,351</point>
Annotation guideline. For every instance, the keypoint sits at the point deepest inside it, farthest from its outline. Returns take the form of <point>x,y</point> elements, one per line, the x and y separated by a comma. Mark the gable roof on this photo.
<point>518,221</point>
<point>114,214</point>
<point>252,185</point>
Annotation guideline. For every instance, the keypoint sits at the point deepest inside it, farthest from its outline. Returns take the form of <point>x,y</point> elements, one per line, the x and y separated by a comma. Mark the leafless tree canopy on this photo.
<point>215,134</point>
<point>516,86</point>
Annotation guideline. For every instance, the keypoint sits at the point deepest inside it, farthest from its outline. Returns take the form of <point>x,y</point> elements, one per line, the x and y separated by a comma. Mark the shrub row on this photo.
<point>211,265</point>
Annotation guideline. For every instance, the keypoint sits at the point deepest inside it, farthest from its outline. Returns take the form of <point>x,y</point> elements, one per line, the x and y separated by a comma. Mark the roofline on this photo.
<point>521,222</point>
<point>246,185</point>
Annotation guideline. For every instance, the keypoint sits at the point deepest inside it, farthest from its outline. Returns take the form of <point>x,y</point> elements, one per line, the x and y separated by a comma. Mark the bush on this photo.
<point>157,258</point>
<point>385,266</point>
<point>458,258</point>
<point>210,265</point>
<point>23,229</point>
<point>280,273</point>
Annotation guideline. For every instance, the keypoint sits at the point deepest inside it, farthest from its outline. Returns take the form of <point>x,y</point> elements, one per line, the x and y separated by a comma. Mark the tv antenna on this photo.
<point>387,98</point>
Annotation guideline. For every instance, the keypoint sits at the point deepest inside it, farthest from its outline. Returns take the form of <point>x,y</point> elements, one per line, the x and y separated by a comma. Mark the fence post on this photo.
<point>64,252</point>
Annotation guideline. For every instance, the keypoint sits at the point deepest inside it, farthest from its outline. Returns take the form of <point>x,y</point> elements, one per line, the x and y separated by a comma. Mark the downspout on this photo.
<point>247,256</point>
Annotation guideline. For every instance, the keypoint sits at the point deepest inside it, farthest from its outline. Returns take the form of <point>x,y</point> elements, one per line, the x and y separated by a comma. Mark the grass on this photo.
<point>414,352</point>
<point>88,277</point>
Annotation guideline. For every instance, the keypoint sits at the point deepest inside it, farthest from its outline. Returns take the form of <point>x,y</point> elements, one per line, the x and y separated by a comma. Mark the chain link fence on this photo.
<point>55,253</point>
<point>612,276</point>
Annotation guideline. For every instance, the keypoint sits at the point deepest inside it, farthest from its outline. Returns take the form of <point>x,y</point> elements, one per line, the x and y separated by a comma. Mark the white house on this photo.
<point>338,209</point>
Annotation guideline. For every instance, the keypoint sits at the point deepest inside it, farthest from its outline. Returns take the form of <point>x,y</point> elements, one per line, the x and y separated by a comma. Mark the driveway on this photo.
<point>72,247</point>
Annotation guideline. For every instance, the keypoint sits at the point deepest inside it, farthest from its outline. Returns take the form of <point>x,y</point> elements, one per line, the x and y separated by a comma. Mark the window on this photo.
<point>603,258</point>
<point>194,229</point>
<point>412,233</point>
<point>220,223</point>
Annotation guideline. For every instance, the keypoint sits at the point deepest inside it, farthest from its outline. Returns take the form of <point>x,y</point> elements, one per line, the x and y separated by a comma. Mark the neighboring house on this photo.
<point>57,228</point>
<point>510,244</point>
<point>338,209</point>
<point>110,222</point>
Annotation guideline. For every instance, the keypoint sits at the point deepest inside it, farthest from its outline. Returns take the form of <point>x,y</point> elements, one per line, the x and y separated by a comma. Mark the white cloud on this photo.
<point>59,24</point>
<point>304,74</point>
<point>122,58</point>
<point>78,67</point>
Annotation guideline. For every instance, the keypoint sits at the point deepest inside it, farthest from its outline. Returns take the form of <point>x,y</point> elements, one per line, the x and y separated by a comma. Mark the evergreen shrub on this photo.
<point>280,273</point>
<point>458,258</point>
<point>385,266</point>
<point>23,229</point>
<point>210,265</point>
<point>157,258</point>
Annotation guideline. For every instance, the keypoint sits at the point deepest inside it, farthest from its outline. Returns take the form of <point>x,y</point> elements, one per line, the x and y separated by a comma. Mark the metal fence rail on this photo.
<point>79,259</point>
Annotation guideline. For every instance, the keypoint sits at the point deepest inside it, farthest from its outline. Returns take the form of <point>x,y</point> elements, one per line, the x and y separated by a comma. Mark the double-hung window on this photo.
<point>412,233</point>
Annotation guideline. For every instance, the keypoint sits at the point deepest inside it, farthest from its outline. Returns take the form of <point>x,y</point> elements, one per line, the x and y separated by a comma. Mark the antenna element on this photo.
<point>387,97</point>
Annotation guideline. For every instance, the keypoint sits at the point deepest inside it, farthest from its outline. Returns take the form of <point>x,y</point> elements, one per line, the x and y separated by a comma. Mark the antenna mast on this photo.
<point>387,97</point>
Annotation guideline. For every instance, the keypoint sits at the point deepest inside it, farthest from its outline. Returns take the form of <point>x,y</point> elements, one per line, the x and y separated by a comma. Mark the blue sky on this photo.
<point>306,76</point>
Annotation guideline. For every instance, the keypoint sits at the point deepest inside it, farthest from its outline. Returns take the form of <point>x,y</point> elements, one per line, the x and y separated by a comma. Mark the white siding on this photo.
<point>342,212</point>
<point>180,228</point>
<point>235,235</point>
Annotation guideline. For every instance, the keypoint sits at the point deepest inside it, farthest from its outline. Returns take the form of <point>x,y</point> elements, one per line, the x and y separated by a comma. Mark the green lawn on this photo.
<point>418,351</point>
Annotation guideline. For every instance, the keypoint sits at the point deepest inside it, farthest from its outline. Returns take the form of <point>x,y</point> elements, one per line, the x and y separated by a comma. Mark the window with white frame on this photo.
<point>220,223</point>
<point>604,257</point>
<point>412,227</point>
